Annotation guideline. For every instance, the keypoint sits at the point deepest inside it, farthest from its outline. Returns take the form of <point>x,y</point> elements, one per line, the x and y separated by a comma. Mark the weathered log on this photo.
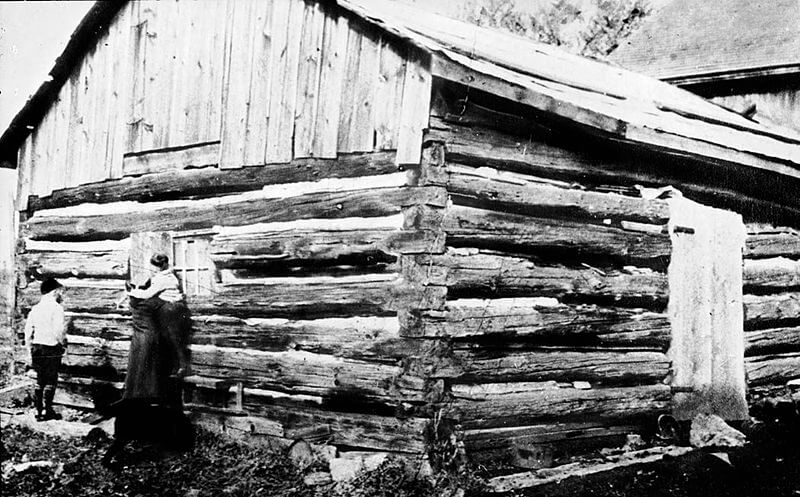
<point>471,272</point>
<point>496,441</point>
<point>545,321</point>
<point>371,338</point>
<point>120,220</point>
<point>772,340</point>
<point>468,226</point>
<point>111,263</point>
<point>287,371</point>
<point>82,295</point>
<point>210,181</point>
<point>480,363</point>
<point>365,295</point>
<point>773,274</point>
<point>761,311</point>
<point>764,241</point>
<point>345,428</point>
<point>476,187</point>
<point>562,404</point>
<point>265,249</point>
<point>772,369</point>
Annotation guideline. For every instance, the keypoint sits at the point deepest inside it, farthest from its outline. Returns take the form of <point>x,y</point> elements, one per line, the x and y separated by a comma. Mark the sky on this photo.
<point>32,35</point>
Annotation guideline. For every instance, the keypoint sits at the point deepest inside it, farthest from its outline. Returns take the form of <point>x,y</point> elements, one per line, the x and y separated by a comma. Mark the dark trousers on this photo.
<point>46,361</point>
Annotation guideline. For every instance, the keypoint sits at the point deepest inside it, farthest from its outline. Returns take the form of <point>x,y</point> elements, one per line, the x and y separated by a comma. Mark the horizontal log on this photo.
<point>545,321</point>
<point>772,340</point>
<point>196,155</point>
<point>563,404</point>
<point>763,311</point>
<point>774,369</point>
<point>348,429</point>
<point>82,295</point>
<point>481,363</point>
<point>112,263</point>
<point>480,188</point>
<point>479,146</point>
<point>210,181</point>
<point>473,272</point>
<point>120,220</point>
<point>324,296</point>
<point>774,274</point>
<point>769,241</point>
<point>502,440</point>
<point>288,371</point>
<point>372,338</point>
<point>468,226</point>
<point>266,249</point>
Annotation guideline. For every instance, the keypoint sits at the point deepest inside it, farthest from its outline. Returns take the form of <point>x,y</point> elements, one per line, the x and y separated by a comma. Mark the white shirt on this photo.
<point>46,324</point>
<point>164,284</point>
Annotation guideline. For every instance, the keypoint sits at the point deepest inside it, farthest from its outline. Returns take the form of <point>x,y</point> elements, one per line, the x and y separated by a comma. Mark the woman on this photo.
<point>161,352</point>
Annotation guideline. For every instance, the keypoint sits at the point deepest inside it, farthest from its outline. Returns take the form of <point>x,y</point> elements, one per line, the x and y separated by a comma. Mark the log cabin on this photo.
<point>740,54</point>
<point>399,232</point>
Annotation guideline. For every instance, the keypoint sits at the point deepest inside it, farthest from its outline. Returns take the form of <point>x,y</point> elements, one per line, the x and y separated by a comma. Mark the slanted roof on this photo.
<point>613,102</point>
<point>695,41</point>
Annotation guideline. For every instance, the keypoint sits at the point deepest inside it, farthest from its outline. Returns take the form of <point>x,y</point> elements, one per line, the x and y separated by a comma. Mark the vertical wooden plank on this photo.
<point>71,166</point>
<point>706,311</point>
<point>179,260</point>
<point>389,94</point>
<point>334,54</point>
<point>308,80</point>
<point>191,282</point>
<point>121,90</point>
<point>288,15</point>
<point>39,157</point>
<point>255,138</point>
<point>137,54</point>
<point>348,99</point>
<point>24,172</point>
<point>362,134</point>
<point>99,90</point>
<point>87,106</point>
<point>212,71</point>
<point>60,143</point>
<point>416,107</point>
<point>184,47</point>
<point>236,91</point>
<point>151,100</point>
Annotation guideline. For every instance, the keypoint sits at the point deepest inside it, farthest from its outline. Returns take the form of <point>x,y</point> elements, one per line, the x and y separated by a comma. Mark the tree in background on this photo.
<point>592,28</point>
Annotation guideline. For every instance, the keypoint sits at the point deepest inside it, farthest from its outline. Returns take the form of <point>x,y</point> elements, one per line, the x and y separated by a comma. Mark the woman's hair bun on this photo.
<point>160,260</point>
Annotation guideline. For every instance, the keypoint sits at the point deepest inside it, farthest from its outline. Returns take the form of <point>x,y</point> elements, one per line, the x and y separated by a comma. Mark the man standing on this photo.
<point>46,337</point>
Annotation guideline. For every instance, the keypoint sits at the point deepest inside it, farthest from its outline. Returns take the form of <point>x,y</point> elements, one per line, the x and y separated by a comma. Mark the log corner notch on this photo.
<point>706,311</point>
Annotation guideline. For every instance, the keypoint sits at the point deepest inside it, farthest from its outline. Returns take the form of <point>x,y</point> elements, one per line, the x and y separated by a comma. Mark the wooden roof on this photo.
<point>607,100</point>
<point>691,41</point>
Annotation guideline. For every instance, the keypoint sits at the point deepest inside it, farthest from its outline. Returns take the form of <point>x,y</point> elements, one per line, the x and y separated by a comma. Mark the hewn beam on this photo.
<point>563,404</point>
<point>546,322</point>
<point>236,210</point>
<point>470,272</point>
<point>75,260</point>
<point>468,226</point>
<point>478,188</point>
<point>772,369</point>
<point>774,274</point>
<point>210,181</point>
<point>762,311</point>
<point>772,341</point>
<point>772,242</point>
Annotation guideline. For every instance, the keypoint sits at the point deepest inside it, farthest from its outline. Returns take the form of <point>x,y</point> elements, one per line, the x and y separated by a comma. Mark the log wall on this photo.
<point>772,306</point>
<point>304,307</point>
<point>554,329</point>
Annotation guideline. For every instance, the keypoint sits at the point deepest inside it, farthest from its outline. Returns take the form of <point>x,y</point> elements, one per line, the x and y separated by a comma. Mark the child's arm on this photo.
<point>157,285</point>
<point>59,324</point>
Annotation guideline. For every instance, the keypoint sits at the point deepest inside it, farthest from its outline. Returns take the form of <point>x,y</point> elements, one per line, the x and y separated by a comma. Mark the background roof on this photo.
<point>695,37</point>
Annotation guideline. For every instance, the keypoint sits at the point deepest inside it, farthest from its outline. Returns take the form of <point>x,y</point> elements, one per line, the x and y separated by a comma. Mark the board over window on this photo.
<point>188,254</point>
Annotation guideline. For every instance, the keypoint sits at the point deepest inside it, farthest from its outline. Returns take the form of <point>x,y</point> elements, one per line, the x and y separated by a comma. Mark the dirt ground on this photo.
<point>768,465</point>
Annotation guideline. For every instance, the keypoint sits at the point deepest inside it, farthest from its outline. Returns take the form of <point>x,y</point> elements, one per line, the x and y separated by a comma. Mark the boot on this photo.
<point>49,393</point>
<point>38,395</point>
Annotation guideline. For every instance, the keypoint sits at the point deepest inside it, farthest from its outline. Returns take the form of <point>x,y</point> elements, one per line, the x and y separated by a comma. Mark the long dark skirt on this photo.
<point>175,326</point>
<point>148,378</point>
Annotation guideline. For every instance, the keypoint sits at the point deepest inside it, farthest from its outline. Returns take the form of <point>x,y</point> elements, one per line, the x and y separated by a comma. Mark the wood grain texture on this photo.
<point>772,369</point>
<point>415,109</point>
<point>772,340</point>
<point>210,181</point>
<point>232,211</point>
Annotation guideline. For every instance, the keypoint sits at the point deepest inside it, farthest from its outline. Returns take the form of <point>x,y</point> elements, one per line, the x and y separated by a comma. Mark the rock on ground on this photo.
<point>709,430</point>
